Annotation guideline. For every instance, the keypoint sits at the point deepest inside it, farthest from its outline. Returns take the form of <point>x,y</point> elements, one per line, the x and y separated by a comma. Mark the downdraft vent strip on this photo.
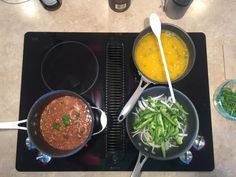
<point>115,96</point>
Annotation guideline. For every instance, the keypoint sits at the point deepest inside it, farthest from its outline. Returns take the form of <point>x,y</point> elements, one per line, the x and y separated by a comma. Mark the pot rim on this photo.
<point>54,94</point>
<point>80,44</point>
<point>190,142</point>
<point>148,30</point>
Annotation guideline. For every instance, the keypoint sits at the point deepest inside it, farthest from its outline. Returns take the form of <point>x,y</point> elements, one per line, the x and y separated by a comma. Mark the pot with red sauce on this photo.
<point>60,123</point>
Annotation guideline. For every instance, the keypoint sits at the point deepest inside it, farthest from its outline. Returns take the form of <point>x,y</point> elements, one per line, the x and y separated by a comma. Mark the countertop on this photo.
<point>215,18</point>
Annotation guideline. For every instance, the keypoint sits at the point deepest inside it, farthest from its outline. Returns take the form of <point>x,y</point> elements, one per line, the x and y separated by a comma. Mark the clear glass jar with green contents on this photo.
<point>225,99</point>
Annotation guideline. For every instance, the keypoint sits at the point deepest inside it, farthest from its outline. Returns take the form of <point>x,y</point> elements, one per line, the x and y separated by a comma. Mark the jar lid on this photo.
<point>183,2</point>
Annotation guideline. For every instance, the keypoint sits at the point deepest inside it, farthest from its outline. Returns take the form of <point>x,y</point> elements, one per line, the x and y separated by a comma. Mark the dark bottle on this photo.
<point>176,9</point>
<point>119,5</point>
<point>51,4</point>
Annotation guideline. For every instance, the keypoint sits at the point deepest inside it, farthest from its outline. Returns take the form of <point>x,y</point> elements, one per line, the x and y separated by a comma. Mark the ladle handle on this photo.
<point>139,165</point>
<point>132,101</point>
<point>12,125</point>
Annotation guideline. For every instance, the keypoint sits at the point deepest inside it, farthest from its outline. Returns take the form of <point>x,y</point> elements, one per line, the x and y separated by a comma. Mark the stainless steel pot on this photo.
<point>145,80</point>
<point>145,151</point>
<point>33,124</point>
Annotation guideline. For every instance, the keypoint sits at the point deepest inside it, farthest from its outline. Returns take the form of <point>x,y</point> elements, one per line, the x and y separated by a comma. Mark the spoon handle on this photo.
<point>166,70</point>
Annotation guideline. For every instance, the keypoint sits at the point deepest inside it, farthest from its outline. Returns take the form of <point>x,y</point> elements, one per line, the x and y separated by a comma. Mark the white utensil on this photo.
<point>12,125</point>
<point>155,24</point>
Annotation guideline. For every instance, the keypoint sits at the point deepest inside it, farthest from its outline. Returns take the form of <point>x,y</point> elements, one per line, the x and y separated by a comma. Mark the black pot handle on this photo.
<point>103,120</point>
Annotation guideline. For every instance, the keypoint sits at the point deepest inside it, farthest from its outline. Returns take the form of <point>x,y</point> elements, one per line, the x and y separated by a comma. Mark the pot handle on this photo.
<point>139,164</point>
<point>132,101</point>
<point>12,125</point>
<point>103,120</point>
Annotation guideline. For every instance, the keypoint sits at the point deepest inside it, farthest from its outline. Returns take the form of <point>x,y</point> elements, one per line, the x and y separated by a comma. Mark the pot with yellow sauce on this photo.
<point>180,56</point>
<point>179,52</point>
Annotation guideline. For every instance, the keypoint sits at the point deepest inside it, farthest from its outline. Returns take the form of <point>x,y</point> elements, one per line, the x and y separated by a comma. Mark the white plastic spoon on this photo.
<point>155,24</point>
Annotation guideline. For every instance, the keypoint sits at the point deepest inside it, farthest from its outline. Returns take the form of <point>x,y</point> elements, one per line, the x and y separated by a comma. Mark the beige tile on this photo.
<point>230,60</point>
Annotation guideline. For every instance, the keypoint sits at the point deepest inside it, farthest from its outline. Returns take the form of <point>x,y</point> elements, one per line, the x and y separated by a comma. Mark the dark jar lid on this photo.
<point>183,2</point>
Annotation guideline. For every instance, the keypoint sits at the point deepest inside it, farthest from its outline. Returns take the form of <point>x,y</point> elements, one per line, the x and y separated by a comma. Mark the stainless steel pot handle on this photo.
<point>132,101</point>
<point>103,120</point>
<point>139,164</point>
<point>12,125</point>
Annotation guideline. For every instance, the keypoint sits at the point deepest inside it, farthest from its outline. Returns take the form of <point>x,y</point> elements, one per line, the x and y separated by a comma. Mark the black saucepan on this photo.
<point>145,80</point>
<point>33,124</point>
<point>145,151</point>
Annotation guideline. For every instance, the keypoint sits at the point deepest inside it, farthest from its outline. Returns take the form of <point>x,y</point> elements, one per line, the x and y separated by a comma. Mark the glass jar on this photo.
<point>225,99</point>
<point>119,5</point>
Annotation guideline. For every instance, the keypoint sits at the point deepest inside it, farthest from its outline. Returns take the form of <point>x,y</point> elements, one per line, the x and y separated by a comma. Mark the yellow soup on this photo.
<point>148,57</point>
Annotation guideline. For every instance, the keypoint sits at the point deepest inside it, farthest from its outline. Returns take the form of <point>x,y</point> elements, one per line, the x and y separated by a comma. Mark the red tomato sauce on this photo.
<point>66,123</point>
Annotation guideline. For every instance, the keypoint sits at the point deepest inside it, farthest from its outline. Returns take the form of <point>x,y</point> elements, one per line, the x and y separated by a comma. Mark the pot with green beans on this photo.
<point>159,128</point>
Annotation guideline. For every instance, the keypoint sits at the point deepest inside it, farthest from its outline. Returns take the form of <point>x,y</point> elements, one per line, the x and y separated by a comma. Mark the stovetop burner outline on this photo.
<point>66,67</point>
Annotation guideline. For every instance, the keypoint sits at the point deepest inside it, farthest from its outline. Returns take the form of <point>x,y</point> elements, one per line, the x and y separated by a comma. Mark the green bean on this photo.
<point>180,108</point>
<point>179,140</point>
<point>167,117</point>
<point>143,124</point>
<point>148,115</point>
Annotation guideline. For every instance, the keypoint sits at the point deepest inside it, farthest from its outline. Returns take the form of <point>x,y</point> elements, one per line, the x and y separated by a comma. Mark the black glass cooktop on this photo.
<point>105,80</point>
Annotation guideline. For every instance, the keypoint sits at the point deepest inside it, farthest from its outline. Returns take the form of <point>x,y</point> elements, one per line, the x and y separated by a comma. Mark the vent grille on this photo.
<point>115,98</point>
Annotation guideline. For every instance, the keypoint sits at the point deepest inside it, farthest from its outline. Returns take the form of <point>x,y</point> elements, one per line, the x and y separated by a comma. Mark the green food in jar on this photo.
<point>227,99</point>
